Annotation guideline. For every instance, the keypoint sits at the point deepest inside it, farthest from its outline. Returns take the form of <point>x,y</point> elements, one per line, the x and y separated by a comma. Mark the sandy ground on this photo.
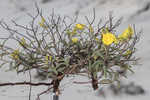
<point>133,13</point>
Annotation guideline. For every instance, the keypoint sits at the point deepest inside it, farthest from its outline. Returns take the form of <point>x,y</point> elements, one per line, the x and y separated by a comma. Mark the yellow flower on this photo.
<point>42,23</point>
<point>108,38</point>
<point>91,29</point>
<point>48,58</point>
<point>116,40</point>
<point>95,57</point>
<point>128,52</point>
<point>22,42</point>
<point>15,54</point>
<point>74,40</point>
<point>74,31</point>
<point>68,32</point>
<point>80,26</point>
<point>126,34</point>
<point>97,39</point>
<point>71,32</point>
<point>42,19</point>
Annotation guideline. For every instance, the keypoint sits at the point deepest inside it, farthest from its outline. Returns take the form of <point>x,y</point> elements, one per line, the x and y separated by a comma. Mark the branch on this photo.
<point>82,82</point>
<point>26,83</point>
<point>38,96</point>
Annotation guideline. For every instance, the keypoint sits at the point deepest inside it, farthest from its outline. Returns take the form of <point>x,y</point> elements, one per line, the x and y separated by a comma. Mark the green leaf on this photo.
<point>60,65</point>
<point>116,76</point>
<point>2,65</point>
<point>61,69</point>
<point>110,74</point>
<point>95,75</point>
<point>129,68</point>
<point>67,60</point>
<point>118,84</point>
<point>106,81</point>
<point>99,54</point>
<point>96,65</point>
<point>54,70</point>
<point>4,42</point>
<point>105,71</point>
<point>83,50</point>
<point>10,67</point>
<point>90,66</point>
<point>117,58</point>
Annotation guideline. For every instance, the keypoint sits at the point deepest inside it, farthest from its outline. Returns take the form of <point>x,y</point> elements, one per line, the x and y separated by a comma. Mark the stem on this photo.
<point>56,84</point>
<point>55,97</point>
<point>94,82</point>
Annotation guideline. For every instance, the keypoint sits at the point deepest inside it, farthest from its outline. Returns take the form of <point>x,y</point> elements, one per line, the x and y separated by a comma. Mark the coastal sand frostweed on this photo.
<point>42,23</point>
<point>71,32</point>
<point>108,38</point>
<point>48,58</point>
<point>76,29</point>
<point>116,40</point>
<point>97,39</point>
<point>128,52</point>
<point>74,40</point>
<point>58,46</point>
<point>95,57</point>
<point>80,26</point>
<point>15,54</point>
<point>22,42</point>
<point>127,33</point>
<point>91,29</point>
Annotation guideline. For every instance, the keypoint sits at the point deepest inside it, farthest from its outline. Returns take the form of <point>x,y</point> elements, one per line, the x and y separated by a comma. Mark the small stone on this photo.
<point>132,89</point>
